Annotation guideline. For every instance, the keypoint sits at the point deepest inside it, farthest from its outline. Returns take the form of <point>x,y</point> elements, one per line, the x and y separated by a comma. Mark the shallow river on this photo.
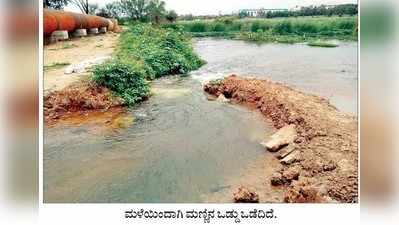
<point>327,72</point>
<point>178,146</point>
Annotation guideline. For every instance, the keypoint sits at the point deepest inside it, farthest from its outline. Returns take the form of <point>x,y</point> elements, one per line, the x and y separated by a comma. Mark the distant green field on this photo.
<point>294,29</point>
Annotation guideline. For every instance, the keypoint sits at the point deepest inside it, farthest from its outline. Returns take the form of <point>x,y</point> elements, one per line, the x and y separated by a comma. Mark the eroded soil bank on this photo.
<point>78,98</point>
<point>323,165</point>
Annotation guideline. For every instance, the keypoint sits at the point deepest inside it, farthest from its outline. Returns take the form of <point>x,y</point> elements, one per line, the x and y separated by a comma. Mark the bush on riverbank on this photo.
<point>123,78</point>
<point>159,51</point>
<point>145,52</point>
<point>344,28</point>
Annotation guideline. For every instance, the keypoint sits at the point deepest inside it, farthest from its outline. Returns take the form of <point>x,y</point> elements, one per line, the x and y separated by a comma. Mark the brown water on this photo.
<point>327,72</point>
<point>178,146</point>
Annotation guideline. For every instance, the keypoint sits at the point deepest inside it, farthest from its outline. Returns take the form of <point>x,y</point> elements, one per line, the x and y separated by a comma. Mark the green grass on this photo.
<point>124,79</point>
<point>145,52</point>
<point>298,29</point>
<point>54,66</point>
<point>322,44</point>
<point>214,34</point>
<point>159,51</point>
<point>69,46</point>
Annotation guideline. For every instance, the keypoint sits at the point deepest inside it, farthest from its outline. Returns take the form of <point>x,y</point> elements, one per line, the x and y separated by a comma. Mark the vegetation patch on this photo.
<point>145,52</point>
<point>322,44</point>
<point>159,51</point>
<point>283,30</point>
<point>261,36</point>
<point>69,46</point>
<point>123,78</point>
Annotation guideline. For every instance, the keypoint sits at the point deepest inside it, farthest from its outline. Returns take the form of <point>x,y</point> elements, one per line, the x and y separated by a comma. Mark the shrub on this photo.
<point>347,25</point>
<point>235,26</point>
<point>255,26</point>
<point>123,78</point>
<point>173,26</point>
<point>145,52</point>
<point>159,51</point>
<point>306,28</point>
<point>198,27</point>
<point>219,27</point>
<point>328,27</point>
<point>284,27</point>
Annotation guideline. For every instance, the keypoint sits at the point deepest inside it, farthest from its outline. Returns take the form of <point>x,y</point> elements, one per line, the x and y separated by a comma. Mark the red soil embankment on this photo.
<point>85,96</point>
<point>327,162</point>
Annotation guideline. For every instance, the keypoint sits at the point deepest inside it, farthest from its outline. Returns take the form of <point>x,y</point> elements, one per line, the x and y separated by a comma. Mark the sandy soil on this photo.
<point>254,177</point>
<point>327,162</point>
<point>73,52</point>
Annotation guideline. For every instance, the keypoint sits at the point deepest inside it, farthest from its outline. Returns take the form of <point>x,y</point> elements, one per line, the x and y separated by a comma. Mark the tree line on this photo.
<point>322,10</point>
<point>135,10</point>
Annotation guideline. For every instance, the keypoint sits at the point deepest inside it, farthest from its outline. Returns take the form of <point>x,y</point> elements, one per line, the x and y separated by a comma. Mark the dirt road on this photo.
<point>62,54</point>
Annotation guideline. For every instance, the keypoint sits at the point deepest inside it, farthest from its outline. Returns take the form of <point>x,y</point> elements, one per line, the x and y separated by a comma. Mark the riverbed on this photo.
<point>178,146</point>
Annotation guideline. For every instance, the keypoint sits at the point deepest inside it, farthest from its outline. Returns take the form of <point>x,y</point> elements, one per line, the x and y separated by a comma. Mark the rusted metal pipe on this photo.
<point>54,20</point>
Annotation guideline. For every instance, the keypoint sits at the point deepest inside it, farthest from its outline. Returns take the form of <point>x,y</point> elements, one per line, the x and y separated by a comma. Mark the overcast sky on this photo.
<point>207,7</point>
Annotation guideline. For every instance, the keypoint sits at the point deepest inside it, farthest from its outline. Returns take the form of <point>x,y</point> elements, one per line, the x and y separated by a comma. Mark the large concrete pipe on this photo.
<point>55,20</point>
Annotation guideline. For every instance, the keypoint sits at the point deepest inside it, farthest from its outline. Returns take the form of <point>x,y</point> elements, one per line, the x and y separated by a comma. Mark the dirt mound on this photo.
<point>244,195</point>
<point>84,96</point>
<point>326,149</point>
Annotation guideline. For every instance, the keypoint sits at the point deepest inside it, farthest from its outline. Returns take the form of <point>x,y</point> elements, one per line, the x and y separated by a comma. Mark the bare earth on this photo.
<point>324,167</point>
<point>73,52</point>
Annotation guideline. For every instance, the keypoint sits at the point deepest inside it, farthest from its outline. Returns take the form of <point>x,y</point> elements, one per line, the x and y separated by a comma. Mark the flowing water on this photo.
<point>327,72</point>
<point>178,146</point>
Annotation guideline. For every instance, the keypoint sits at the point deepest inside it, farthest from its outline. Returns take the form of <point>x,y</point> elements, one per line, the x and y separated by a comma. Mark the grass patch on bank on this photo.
<point>261,36</point>
<point>159,51</point>
<point>144,53</point>
<point>69,46</point>
<point>322,44</point>
<point>272,30</point>
<point>124,79</point>
<point>56,65</point>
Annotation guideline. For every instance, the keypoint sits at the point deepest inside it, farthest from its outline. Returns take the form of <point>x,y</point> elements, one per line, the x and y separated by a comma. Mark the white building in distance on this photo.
<point>256,12</point>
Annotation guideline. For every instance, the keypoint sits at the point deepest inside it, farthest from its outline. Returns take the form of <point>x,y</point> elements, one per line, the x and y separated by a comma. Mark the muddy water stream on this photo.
<point>327,72</point>
<point>178,146</point>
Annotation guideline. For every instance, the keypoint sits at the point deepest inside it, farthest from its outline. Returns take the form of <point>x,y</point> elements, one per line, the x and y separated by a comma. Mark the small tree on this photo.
<point>113,10</point>
<point>134,9</point>
<point>103,13</point>
<point>243,14</point>
<point>171,16</point>
<point>156,10</point>
<point>93,8</point>
<point>55,4</point>
<point>83,5</point>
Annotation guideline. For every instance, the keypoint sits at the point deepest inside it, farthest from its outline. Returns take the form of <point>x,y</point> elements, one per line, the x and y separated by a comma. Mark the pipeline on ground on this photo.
<point>54,20</point>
